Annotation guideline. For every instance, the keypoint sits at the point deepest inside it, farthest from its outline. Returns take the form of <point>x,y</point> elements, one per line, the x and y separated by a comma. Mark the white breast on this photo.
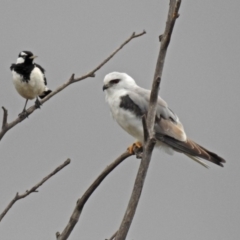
<point>31,89</point>
<point>126,119</point>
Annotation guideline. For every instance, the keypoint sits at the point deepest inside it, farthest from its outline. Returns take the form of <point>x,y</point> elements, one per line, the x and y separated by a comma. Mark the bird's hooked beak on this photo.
<point>105,87</point>
<point>32,57</point>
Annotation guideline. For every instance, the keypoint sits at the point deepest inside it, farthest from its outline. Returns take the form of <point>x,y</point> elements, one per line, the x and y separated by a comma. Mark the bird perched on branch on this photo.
<point>29,79</point>
<point>128,103</point>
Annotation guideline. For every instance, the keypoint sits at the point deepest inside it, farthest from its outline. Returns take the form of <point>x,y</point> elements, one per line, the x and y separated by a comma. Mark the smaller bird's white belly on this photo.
<point>33,87</point>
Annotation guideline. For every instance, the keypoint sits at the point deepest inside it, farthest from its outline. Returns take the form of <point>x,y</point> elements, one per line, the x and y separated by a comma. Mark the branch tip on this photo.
<point>67,161</point>
<point>5,115</point>
<point>90,74</point>
<point>71,79</point>
<point>139,34</point>
<point>32,190</point>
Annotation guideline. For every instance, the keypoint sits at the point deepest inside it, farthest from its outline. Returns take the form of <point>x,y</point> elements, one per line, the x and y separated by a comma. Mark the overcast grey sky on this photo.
<point>181,199</point>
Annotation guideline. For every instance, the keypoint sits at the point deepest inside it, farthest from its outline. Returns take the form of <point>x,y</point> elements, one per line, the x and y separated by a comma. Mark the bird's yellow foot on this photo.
<point>134,145</point>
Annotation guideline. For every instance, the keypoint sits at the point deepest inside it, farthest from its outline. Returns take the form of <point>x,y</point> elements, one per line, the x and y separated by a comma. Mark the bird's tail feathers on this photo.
<point>45,93</point>
<point>198,160</point>
<point>191,149</point>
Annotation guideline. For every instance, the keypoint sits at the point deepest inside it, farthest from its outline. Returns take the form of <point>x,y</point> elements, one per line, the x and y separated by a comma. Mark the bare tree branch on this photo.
<point>81,201</point>
<point>145,129</point>
<point>149,144</point>
<point>92,73</point>
<point>30,110</point>
<point>33,189</point>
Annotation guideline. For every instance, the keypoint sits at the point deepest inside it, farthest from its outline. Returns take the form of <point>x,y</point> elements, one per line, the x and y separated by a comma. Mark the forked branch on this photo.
<point>81,201</point>
<point>148,125</point>
<point>113,236</point>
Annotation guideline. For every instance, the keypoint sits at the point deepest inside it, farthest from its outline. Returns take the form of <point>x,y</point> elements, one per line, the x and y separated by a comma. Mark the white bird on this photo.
<point>29,79</point>
<point>128,103</point>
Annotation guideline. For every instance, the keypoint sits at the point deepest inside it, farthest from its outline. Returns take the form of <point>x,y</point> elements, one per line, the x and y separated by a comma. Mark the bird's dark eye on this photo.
<point>114,81</point>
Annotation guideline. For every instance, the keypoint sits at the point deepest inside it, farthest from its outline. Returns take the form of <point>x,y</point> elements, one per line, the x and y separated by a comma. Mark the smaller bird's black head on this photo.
<point>25,57</point>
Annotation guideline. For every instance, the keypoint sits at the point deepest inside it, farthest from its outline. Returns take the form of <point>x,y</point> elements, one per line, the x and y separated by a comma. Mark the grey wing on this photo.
<point>167,122</point>
<point>139,101</point>
<point>168,129</point>
<point>163,111</point>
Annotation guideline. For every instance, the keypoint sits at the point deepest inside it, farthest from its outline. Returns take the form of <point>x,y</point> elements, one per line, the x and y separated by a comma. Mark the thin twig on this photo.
<point>71,80</point>
<point>5,115</point>
<point>134,35</point>
<point>81,201</point>
<point>113,236</point>
<point>33,189</point>
<point>149,144</point>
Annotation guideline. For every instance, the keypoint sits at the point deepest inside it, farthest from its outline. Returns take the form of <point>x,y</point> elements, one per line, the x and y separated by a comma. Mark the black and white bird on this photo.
<point>29,79</point>
<point>128,103</point>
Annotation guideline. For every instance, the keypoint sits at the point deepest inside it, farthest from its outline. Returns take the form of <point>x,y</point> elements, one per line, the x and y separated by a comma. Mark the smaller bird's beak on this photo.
<point>105,87</point>
<point>32,57</point>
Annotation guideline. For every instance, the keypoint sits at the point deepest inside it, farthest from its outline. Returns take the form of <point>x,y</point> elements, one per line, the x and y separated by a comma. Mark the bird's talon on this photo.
<point>131,149</point>
<point>37,103</point>
<point>23,114</point>
<point>138,144</point>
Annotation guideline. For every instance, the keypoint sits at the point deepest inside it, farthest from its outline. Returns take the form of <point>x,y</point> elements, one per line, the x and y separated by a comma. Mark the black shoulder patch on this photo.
<point>128,104</point>
<point>12,66</point>
<point>40,67</point>
<point>23,70</point>
<point>43,71</point>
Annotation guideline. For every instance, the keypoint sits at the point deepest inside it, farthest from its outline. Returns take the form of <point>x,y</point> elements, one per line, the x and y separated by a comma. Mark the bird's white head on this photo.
<point>26,57</point>
<point>116,81</point>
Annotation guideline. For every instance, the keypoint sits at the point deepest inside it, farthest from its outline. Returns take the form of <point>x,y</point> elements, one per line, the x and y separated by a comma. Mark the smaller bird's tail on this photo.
<point>45,93</point>
<point>192,150</point>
